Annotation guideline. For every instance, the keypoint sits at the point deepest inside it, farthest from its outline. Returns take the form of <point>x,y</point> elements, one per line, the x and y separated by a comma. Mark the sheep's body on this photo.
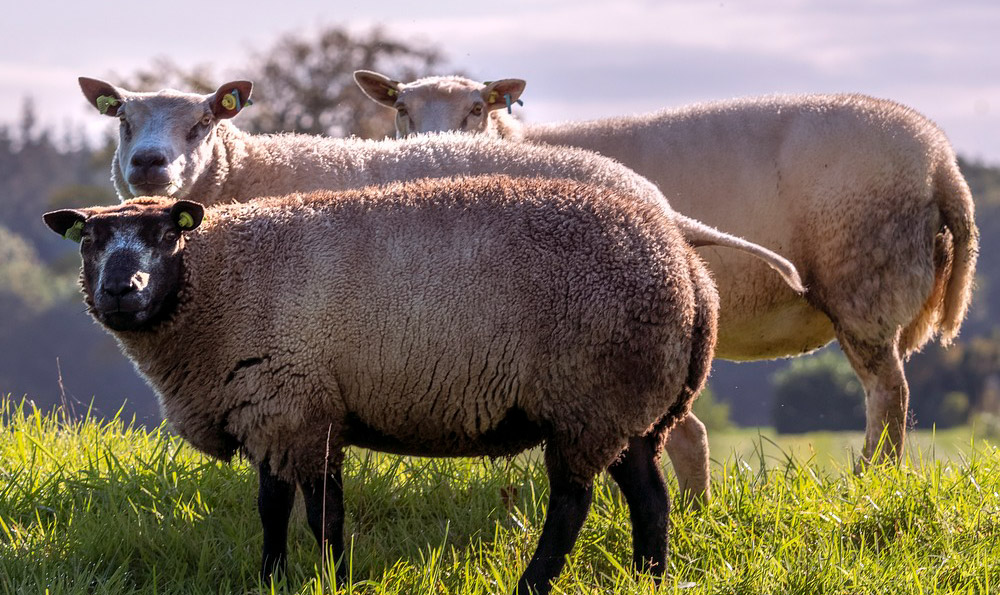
<point>864,195</point>
<point>448,318</point>
<point>425,312</point>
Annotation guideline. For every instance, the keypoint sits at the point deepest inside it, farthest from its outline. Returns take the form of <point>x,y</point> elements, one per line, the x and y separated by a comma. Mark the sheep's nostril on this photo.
<point>147,159</point>
<point>119,288</point>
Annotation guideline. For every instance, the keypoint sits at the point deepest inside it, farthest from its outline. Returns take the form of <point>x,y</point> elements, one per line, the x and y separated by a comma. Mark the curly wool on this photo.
<point>449,317</point>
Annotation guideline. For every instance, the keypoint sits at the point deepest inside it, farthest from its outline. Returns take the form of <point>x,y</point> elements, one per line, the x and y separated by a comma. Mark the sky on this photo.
<point>581,58</point>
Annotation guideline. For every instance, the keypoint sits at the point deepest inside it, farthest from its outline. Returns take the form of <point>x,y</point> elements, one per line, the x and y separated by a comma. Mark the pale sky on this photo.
<point>581,58</point>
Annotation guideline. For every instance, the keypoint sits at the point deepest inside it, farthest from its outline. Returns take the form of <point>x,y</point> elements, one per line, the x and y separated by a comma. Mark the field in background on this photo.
<point>102,508</point>
<point>835,451</point>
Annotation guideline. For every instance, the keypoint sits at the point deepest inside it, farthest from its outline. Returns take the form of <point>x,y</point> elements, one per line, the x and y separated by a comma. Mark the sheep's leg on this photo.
<point>687,447</point>
<point>274,503</point>
<point>638,475</point>
<point>887,395</point>
<point>325,512</point>
<point>569,503</point>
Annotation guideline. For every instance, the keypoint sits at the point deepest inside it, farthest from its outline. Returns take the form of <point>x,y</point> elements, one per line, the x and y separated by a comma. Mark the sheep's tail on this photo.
<point>958,271</point>
<point>699,234</point>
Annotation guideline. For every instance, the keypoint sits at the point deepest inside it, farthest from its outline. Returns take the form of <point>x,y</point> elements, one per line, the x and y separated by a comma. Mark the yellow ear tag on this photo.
<point>229,102</point>
<point>184,220</point>
<point>392,92</point>
<point>75,232</point>
<point>104,102</point>
<point>493,97</point>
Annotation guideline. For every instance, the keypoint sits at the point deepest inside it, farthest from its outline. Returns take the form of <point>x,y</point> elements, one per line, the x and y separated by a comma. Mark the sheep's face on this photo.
<point>166,140</point>
<point>132,257</point>
<point>440,103</point>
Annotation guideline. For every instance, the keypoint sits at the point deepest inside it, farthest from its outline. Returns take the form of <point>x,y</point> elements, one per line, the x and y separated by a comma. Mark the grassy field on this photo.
<point>105,508</point>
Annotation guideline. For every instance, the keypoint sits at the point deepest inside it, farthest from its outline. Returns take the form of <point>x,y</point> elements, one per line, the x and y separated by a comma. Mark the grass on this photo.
<point>103,507</point>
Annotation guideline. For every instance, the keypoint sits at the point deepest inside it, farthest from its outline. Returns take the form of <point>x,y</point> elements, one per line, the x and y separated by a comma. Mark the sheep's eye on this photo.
<point>198,128</point>
<point>477,110</point>
<point>125,126</point>
<point>170,236</point>
<point>401,110</point>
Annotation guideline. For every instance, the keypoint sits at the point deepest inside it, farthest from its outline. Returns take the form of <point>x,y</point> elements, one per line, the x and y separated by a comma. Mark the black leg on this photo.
<point>569,503</point>
<point>641,481</point>
<point>274,503</point>
<point>325,511</point>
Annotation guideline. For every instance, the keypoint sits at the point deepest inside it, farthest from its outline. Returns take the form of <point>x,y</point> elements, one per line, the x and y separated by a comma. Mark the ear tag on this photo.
<point>506,97</point>
<point>75,232</point>
<point>231,100</point>
<point>184,220</point>
<point>493,97</point>
<point>104,102</point>
<point>392,93</point>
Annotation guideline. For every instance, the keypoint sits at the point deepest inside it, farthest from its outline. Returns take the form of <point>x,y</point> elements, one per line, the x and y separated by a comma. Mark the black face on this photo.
<point>133,264</point>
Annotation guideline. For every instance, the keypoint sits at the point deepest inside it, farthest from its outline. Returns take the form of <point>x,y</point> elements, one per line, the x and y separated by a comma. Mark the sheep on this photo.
<point>440,317</point>
<point>182,144</point>
<point>864,195</point>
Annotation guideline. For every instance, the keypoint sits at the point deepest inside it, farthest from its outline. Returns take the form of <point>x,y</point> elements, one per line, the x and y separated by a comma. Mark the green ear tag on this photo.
<point>185,220</point>
<point>75,232</point>
<point>104,102</point>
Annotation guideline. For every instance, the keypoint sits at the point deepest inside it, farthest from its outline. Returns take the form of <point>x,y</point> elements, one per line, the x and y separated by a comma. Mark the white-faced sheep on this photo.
<point>182,144</point>
<point>467,317</point>
<point>864,195</point>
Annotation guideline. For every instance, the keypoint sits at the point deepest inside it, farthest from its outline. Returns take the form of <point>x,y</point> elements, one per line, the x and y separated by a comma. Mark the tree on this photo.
<point>818,392</point>
<point>711,411</point>
<point>305,84</point>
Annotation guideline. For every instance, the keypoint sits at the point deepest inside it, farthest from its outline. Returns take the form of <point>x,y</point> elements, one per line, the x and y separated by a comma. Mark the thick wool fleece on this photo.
<point>447,317</point>
<point>864,195</point>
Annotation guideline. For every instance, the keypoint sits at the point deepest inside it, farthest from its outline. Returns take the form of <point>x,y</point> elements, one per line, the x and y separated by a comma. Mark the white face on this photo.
<point>440,105</point>
<point>165,142</point>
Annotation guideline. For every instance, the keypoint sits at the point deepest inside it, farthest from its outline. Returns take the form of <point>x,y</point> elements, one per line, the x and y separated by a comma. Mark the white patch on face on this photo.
<point>161,130</point>
<point>128,240</point>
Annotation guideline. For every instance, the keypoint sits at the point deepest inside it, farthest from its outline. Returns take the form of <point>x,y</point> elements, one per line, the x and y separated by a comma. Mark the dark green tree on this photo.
<point>818,392</point>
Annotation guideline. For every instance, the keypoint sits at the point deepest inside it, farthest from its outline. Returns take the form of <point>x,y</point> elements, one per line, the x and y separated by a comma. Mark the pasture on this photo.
<point>107,507</point>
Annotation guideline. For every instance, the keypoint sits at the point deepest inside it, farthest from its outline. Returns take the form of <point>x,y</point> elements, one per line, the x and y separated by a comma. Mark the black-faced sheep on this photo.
<point>864,195</point>
<point>468,317</point>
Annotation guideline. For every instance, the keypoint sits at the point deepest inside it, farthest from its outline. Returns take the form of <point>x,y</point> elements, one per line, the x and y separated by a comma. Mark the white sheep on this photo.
<point>464,317</point>
<point>864,195</point>
<point>182,144</point>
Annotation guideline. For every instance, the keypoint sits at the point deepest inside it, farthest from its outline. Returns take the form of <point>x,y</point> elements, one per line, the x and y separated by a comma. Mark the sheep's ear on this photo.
<point>230,98</point>
<point>66,222</point>
<point>106,97</point>
<point>380,88</point>
<point>187,214</point>
<point>494,92</point>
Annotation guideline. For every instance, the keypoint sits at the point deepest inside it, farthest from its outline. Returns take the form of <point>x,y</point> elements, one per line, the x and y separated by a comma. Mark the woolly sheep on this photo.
<point>863,194</point>
<point>182,144</point>
<point>586,323</point>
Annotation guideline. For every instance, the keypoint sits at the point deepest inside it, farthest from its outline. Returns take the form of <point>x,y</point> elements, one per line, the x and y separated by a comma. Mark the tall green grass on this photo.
<point>106,507</point>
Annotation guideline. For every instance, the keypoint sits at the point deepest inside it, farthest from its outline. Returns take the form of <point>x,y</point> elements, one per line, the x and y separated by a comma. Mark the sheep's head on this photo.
<point>132,257</point>
<point>165,139</point>
<point>439,103</point>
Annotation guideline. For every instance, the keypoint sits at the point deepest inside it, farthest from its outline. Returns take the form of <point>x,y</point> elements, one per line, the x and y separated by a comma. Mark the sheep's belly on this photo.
<point>513,434</point>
